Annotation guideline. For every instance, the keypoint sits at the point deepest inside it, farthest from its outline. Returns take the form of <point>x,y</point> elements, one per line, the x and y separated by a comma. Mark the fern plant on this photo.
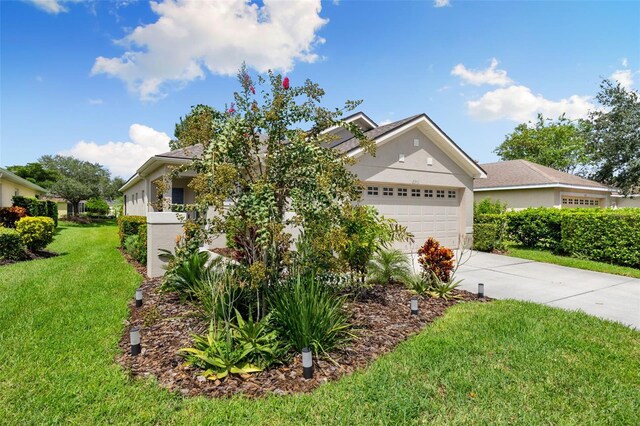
<point>389,266</point>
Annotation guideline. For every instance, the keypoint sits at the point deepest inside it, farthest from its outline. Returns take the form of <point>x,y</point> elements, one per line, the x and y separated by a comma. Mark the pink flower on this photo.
<point>253,90</point>
<point>285,83</point>
<point>232,109</point>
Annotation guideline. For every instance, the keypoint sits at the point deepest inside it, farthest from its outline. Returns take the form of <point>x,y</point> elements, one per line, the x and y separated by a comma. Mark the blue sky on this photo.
<point>106,81</point>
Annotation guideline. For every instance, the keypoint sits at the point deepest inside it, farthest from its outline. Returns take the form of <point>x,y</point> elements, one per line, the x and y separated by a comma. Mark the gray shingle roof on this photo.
<point>188,153</point>
<point>353,143</point>
<point>525,173</point>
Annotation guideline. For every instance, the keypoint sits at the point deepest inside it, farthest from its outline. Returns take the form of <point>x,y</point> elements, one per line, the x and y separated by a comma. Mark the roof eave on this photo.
<point>21,181</point>
<point>543,186</point>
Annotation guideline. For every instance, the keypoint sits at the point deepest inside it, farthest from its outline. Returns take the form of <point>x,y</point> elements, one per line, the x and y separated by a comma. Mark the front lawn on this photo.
<point>501,362</point>
<point>547,256</point>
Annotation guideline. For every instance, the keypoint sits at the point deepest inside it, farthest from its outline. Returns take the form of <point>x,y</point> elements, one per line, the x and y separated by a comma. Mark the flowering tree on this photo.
<point>266,155</point>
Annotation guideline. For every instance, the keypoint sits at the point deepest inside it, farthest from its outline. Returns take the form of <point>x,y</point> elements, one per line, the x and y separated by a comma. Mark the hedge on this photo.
<point>35,207</point>
<point>537,227</point>
<point>11,246</point>
<point>129,225</point>
<point>36,232</point>
<point>608,236</point>
<point>490,232</point>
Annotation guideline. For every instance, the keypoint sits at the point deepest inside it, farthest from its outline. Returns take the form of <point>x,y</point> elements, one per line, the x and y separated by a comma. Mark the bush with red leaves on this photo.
<point>435,258</point>
<point>10,215</point>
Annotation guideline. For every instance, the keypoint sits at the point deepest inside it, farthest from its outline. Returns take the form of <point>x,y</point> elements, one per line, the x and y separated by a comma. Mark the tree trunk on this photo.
<point>75,207</point>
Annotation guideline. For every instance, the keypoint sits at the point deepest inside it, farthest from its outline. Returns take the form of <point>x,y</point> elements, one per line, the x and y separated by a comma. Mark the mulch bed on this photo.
<point>31,255</point>
<point>380,316</point>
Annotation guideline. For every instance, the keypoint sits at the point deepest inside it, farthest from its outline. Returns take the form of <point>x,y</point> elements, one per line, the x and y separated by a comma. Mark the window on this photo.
<point>177,195</point>
<point>402,192</point>
<point>597,202</point>
<point>428,193</point>
<point>135,200</point>
<point>387,191</point>
<point>142,196</point>
<point>415,192</point>
<point>440,193</point>
<point>372,190</point>
<point>452,194</point>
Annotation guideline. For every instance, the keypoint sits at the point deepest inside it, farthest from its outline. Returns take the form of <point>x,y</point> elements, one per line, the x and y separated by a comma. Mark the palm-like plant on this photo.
<point>389,266</point>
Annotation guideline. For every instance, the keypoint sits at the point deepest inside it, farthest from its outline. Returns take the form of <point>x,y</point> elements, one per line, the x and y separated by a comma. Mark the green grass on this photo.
<point>499,363</point>
<point>547,256</point>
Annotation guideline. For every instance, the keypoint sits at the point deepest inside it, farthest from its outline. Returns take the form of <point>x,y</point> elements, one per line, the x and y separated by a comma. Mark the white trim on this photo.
<point>443,142</point>
<point>20,181</point>
<point>543,185</point>
<point>354,117</point>
<point>147,164</point>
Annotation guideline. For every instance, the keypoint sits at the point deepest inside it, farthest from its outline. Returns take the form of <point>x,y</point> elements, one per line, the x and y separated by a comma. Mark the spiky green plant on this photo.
<point>388,266</point>
<point>307,313</point>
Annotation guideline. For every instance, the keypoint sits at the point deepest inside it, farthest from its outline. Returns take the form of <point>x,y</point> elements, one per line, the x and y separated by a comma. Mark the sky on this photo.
<point>107,81</point>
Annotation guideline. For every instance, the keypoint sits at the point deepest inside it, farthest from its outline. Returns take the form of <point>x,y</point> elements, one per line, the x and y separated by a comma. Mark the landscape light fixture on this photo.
<point>307,363</point>
<point>480,290</point>
<point>138,297</point>
<point>134,337</point>
<point>414,305</point>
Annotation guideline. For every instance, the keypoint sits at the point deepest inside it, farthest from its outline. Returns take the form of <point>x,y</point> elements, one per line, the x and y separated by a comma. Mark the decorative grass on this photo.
<point>497,363</point>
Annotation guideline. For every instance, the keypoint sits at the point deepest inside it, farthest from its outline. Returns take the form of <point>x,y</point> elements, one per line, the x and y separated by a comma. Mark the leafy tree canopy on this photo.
<point>80,180</point>
<point>559,144</point>
<point>36,173</point>
<point>614,137</point>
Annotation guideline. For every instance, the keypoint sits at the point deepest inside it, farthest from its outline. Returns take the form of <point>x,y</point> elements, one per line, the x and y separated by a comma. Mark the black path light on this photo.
<point>307,363</point>
<point>414,305</point>
<point>480,290</point>
<point>138,297</point>
<point>134,337</point>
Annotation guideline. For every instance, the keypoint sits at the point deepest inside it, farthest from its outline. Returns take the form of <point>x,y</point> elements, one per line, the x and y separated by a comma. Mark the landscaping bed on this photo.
<point>30,255</point>
<point>380,317</point>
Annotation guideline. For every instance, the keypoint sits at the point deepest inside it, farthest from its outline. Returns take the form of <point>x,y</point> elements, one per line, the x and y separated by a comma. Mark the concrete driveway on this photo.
<point>607,296</point>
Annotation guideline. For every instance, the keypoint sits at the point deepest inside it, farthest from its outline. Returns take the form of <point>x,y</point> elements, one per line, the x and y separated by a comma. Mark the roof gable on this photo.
<point>6,174</point>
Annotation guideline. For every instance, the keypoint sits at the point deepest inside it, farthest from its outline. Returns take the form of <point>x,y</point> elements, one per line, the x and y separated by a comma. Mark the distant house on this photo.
<point>64,207</point>
<point>522,184</point>
<point>12,185</point>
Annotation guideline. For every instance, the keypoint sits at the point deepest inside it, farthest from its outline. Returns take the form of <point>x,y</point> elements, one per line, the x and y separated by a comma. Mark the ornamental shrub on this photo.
<point>435,258</point>
<point>485,236</point>
<point>97,206</point>
<point>129,225</point>
<point>603,235</point>
<point>136,245</point>
<point>536,227</point>
<point>35,207</point>
<point>36,232</point>
<point>489,206</point>
<point>10,215</point>
<point>52,211</point>
<point>11,246</point>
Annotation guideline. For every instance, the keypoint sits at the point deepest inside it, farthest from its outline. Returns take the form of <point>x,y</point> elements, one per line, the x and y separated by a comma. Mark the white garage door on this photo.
<point>426,212</point>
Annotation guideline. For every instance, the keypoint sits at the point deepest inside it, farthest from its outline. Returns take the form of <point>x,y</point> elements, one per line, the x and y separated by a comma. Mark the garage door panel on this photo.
<point>424,217</point>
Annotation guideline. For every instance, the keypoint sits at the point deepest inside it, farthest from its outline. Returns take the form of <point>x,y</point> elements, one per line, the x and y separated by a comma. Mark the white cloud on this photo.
<point>441,3</point>
<point>95,101</point>
<point>191,36</point>
<point>625,62</point>
<point>491,75</point>
<point>624,77</point>
<point>49,6</point>
<point>519,104</point>
<point>123,158</point>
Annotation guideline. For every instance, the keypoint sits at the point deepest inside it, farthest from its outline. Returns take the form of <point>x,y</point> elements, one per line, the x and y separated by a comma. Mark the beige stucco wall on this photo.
<point>519,199</point>
<point>443,172</point>
<point>9,188</point>
<point>136,206</point>
<point>622,202</point>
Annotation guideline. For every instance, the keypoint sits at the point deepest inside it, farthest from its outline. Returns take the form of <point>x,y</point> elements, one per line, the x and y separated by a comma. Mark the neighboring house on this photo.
<point>522,184</point>
<point>418,176</point>
<point>65,208</point>
<point>11,185</point>
<point>620,201</point>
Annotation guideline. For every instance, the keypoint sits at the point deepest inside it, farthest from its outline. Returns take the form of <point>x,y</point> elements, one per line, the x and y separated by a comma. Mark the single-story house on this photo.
<point>418,177</point>
<point>12,184</point>
<point>522,184</point>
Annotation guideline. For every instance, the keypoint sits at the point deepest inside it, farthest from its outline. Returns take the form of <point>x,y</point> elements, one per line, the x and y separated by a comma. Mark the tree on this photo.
<point>257,157</point>
<point>614,137</point>
<point>559,144</point>
<point>80,180</point>
<point>194,128</point>
<point>36,173</point>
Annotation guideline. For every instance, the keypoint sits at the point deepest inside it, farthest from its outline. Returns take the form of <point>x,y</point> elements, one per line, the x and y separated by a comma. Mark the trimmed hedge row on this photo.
<point>130,225</point>
<point>35,207</point>
<point>11,245</point>
<point>36,232</point>
<point>611,236</point>
<point>603,235</point>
